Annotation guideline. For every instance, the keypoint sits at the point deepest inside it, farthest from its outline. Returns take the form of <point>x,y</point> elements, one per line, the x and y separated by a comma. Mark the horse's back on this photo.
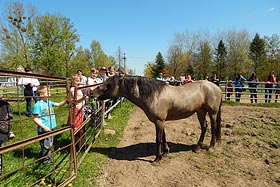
<point>210,93</point>
<point>201,90</point>
<point>178,102</point>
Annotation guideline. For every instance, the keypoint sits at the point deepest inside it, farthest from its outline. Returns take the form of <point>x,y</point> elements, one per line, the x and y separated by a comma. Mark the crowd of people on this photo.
<point>83,96</point>
<point>236,86</point>
<point>270,85</point>
<point>42,111</point>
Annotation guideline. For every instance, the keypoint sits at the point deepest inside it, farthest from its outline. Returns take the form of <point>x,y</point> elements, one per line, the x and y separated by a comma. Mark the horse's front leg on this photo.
<point>159,138</point>
<point>164,143</point>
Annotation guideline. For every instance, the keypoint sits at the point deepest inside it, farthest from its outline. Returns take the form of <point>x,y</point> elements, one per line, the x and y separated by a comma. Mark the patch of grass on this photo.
<point>229,102</point>
<point>25,128</point>
<point>269,105</point>
<point>91,167</point>
<point>88,171</point>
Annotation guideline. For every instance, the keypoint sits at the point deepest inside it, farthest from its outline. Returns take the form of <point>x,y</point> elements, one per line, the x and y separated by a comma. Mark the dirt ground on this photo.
<point>249,154</point>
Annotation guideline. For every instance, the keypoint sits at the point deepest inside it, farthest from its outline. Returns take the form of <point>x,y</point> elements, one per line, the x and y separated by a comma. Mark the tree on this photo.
<point>272,48</point>
<point>204,59</point>
<point>221,53</point>
<point>80,60</point>
<point>176,61</point>
<point>148,69</point>
<point>16,32</point>
<point>53,44</point>
<point>159,65</point>
<point>257,51</point>
<point>238,44</point>
<point>98,57</point>
<point>183,54</point>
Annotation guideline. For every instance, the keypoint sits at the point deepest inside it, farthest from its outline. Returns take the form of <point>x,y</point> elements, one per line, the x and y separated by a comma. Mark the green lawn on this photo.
<point>91,167</point>
<point>21,167</point>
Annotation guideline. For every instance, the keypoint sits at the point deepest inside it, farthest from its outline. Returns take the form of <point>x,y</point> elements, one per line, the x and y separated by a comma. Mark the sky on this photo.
<point>142,28</point>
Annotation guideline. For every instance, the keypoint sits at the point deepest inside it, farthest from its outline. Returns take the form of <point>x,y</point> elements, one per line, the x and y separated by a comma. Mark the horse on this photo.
<point>162,102</point>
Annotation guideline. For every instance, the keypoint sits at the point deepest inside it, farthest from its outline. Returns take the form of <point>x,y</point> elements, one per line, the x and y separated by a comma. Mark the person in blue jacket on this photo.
<point>43,116</point>
<point>239,86</point>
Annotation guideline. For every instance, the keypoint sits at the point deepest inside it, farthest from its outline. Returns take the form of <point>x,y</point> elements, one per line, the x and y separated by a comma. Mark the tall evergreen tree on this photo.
<point>257,51</point>
<point>159,65</point>
<point>221,53</point>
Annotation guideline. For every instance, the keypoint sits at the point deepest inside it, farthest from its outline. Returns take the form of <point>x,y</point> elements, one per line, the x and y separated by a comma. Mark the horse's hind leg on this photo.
<point>213,118</point>
<point>218,124</point>
<point>202,120</point>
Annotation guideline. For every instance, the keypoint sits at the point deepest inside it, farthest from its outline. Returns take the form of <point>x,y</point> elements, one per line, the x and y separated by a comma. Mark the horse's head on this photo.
<point>108,90</point>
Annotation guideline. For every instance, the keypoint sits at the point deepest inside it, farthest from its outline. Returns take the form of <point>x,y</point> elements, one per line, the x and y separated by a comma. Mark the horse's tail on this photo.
<point>218,132</point>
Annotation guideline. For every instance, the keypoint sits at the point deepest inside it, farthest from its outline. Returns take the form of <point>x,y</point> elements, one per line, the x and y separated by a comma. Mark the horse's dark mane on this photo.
<point>147,86</point>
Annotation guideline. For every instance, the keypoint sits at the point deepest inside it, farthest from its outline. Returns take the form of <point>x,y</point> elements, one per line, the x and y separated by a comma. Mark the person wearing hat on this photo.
<point>103,74</point>
<point>93,79</point>
<point>111,71</point>
<point>30,90</point>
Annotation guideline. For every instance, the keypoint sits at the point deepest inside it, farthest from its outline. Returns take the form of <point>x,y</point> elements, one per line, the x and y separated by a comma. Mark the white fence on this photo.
<point>250,94</point>
<point>7,83</point>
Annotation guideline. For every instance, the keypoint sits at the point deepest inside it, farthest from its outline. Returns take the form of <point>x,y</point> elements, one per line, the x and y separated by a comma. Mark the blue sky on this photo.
<point>142,28</point>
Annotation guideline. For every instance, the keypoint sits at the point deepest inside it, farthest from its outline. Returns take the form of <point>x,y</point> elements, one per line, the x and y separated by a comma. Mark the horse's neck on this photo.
<point>137,101</point>
<point>134,96</point>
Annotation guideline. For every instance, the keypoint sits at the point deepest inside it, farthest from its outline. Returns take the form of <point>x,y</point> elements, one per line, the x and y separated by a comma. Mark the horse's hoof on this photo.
<point>158,158</point>
<point>166,151</point>
<point>197,149</point>
<point>211,149</point>
<point>165,154</point>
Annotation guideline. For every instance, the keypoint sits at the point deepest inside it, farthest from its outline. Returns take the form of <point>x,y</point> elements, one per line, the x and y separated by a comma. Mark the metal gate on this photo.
<point>21,165</point>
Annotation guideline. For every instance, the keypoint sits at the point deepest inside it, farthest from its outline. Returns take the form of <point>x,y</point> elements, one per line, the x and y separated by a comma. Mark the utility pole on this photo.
<point>119,61</point>
<point>124,59</point>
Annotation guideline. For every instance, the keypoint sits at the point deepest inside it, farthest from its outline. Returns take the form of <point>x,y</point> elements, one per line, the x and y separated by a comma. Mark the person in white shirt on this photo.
<point>30,90</point>
<point>93,79</point>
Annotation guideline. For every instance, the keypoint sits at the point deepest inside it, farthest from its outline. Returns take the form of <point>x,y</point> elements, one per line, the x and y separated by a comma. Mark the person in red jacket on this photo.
<point>269,85</point>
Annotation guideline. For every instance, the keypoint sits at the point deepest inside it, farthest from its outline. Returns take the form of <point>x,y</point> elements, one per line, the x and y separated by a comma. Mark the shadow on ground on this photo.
<point>137,151</point>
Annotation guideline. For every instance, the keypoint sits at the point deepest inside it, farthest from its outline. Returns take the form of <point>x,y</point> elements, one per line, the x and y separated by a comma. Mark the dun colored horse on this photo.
<point>162,102</point>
